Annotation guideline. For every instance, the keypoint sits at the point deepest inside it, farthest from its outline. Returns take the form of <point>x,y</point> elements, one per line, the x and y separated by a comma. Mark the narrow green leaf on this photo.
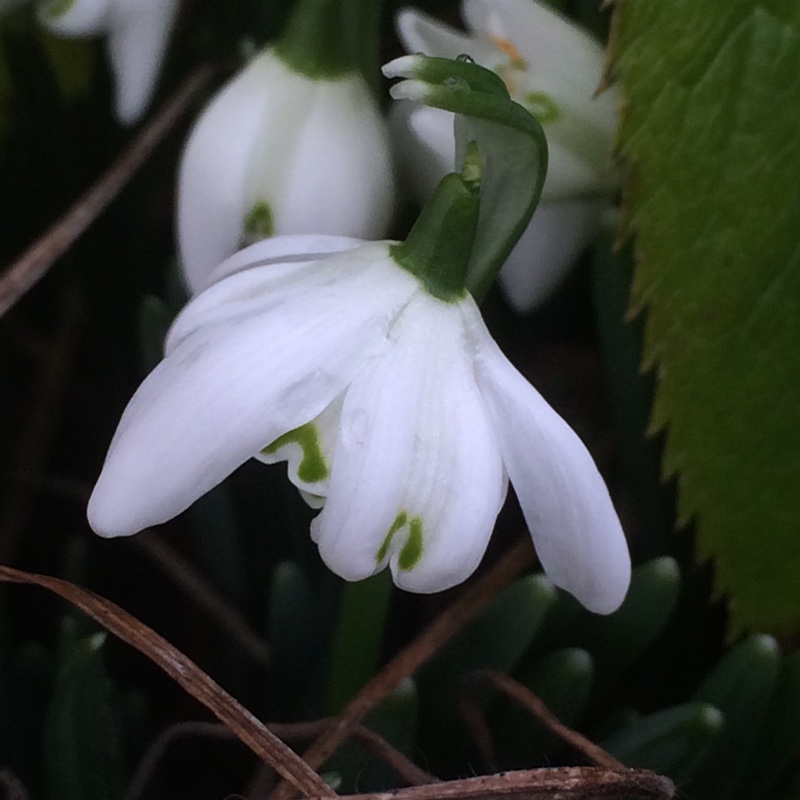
<point>563,680</point>
<point>295,635</point>
<point>741,687</point>
<point>494,640</point>
<point>357,638</point>
<point>82,748</point>
<point>709,131</point>
<point>672,741</point>
<point>779,740</point>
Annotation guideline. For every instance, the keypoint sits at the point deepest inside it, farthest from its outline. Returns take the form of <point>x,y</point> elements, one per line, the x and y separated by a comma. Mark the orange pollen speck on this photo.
<point>508,48</point>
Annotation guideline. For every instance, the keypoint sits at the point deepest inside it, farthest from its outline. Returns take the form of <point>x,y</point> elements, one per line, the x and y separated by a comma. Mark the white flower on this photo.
<point>553,68</point>
<point>395,410</point>
<point>137,31</point>
<point>277,152</point>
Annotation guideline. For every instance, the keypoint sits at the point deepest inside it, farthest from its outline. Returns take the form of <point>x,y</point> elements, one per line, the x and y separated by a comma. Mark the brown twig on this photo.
<point>29,268</point>
<point>188,675</point>
<point>526,698</point>
<point>515,561</point>
<point>558,783</point>
<point>405,768</point>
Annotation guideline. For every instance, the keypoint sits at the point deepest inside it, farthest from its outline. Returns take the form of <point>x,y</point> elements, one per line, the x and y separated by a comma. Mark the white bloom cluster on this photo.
<point>553,68</point>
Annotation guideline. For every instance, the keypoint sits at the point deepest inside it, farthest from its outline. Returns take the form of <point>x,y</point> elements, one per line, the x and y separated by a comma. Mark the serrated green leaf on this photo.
<point>710,125</point>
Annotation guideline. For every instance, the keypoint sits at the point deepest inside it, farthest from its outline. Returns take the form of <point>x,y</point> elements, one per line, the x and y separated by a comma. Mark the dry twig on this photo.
<point>188,675</point>
<point>514,562</point>
<point>32,265</point>
<point>526,698</point>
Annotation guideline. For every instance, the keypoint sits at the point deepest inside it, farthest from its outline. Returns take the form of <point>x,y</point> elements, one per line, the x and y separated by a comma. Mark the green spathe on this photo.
<point>437,250</point>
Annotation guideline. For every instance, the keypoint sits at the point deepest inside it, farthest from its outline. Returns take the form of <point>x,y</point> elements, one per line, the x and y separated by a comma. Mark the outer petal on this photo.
<point>548,41</point>
<point>335,175</point>
<point>417,476</point>
<point>273,282</point>
<point>137,39</point>
<point>215,167</point>
<point>575,529</point>
<point>232,387</point>
<point>555,237</point>
<point>79,18</point>
<point>421,33</point>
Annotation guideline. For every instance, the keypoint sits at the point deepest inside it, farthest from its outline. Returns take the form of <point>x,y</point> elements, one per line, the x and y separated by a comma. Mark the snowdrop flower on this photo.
<point>553,68</point>
<point>281,152</point>
<point>137,31</point>
<point>397,413</point>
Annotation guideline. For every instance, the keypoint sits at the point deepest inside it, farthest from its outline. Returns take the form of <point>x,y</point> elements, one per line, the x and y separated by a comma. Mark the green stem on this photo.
<point>314,41</point>
<point>438,248</point>
<point>357,639</point>
<point>363,23</point>
<point>329,38</point>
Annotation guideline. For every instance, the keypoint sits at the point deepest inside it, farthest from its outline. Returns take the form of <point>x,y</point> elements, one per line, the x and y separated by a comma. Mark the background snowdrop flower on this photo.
<point>553,68</point>
<point>393,406</point>
<point>280,152</point>
<point>137,32</point>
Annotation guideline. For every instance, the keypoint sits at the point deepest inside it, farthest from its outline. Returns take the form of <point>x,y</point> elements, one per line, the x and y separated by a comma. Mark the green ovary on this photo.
<point>259,223</point>
<point>412,549</point>
<point>313,467</point>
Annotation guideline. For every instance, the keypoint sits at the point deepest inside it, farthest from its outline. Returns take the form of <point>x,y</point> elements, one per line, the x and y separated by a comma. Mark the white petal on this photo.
<point>557,234</point>
<point>287,249</point>
<point>424,145</point>
<point>273,279</point>
<point>232,387</point>
<point>81,17</point>
<point>546,40</point>
<point>309,453</point>
<point>334,175</point>
<point>575,529</point>
<point>417,476</point>
<point>137,39</point>
<point>421,33</point>
<point>215,166</point>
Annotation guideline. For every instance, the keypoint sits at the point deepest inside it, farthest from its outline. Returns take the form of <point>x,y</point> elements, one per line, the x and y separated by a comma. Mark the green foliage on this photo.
<point>82,744</point>
<point>709,132</point>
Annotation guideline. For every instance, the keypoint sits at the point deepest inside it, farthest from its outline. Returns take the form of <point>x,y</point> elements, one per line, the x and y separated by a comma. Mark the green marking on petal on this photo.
<point>541,106</point>
<point>259,223</point>
<point>400,521</point>
<point>412,549</point>
<point>313,467</point>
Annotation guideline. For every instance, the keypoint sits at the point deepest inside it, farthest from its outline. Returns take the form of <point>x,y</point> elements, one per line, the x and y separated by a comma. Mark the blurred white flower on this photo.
<point>395,409</point>
<point>278,152</point>
<point>553,68</point>
<point>137,32</point>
